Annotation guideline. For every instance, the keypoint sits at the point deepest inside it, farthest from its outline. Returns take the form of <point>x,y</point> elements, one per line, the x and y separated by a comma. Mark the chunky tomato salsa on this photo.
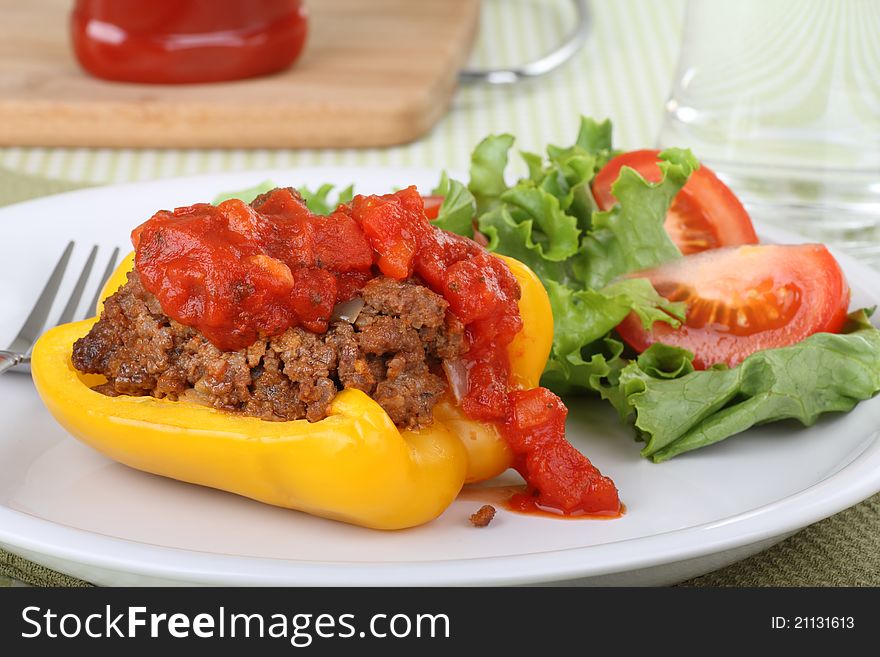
<point>236,272</point>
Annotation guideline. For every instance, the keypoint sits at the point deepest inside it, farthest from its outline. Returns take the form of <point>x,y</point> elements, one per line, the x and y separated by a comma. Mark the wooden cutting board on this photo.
<point>374,73</point>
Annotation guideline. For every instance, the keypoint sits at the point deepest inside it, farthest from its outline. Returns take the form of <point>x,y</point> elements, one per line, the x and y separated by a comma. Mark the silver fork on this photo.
<point>18,352</point>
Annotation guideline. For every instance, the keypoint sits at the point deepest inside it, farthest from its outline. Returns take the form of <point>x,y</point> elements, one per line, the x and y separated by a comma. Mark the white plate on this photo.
<point>63,505</point>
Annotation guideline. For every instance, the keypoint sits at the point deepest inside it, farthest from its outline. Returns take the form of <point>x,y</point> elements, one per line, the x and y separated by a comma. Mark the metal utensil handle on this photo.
<point>543,65</point>
<point>8,360</point>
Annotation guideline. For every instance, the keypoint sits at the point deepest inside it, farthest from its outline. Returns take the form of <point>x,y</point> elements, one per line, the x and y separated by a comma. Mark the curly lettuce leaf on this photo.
<point>550,221</point>
<point>515,239</point>
<point>320,201</point>
<point>594,137</point>
<point>663,361</point>
<point>570,170</point>
<point>581,317</point>
<point>630,236</point>
<point>535,164</point>
<point>488,162</point>
<point>568,179</point>
<point>458,209</point>
<point>596,368</point>
<point>677,409</point>
<point>584,356</point>
<point>557,233</point>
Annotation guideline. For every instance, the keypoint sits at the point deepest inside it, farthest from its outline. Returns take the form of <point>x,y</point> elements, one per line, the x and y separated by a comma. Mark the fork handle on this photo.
<point>9,359</point>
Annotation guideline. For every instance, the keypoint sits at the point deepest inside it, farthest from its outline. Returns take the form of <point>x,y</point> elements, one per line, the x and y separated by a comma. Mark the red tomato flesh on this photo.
<point>744,299</point>
<point>432,205</point>
<point>704,215</point>
<point>560,478</point>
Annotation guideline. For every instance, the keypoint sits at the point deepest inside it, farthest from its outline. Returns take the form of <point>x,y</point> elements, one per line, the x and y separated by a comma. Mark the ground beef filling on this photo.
<point>393,352</point>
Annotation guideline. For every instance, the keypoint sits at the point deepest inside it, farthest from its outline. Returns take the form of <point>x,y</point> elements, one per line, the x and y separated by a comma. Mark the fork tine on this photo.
<point>108,270</point>
<point>76,294</point>
<point>35,321</point>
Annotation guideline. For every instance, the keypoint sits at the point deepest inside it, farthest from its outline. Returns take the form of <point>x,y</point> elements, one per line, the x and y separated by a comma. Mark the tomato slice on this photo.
<point>704,215</point>
<point>744,299</point>
<point>432,205</point>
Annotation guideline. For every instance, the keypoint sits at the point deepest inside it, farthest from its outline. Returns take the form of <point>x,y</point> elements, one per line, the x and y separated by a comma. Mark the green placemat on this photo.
<point>14,569</point>
<point>843,550</point>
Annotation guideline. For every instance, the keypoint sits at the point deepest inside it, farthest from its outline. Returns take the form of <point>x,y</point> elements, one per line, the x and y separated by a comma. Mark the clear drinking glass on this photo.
<point>782,99</point>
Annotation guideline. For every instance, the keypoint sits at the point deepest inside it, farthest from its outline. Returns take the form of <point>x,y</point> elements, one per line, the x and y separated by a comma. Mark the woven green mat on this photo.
<point>843,550</point>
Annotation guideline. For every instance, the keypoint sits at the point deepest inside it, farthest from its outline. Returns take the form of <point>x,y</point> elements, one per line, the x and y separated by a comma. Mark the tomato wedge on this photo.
<point>744,299</point>
<point>704,215</point>
<point>432,205</point>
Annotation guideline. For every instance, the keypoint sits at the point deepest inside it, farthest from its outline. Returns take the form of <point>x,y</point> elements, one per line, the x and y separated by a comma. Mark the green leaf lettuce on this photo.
<point>683,410</point>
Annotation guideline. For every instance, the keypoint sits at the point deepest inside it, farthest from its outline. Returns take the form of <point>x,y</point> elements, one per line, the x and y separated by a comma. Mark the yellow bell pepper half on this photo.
<point>355,465</point>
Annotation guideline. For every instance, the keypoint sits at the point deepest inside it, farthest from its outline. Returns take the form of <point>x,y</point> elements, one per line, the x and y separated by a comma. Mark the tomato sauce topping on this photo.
<point>236,272</point>
<point>559,477</point>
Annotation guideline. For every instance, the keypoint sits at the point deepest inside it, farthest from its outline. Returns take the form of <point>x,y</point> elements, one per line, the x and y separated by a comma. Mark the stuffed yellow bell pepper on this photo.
<point>355,465</point>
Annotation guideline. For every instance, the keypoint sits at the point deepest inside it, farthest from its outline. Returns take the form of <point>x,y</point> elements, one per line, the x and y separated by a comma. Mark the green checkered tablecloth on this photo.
<point>623,73</point>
